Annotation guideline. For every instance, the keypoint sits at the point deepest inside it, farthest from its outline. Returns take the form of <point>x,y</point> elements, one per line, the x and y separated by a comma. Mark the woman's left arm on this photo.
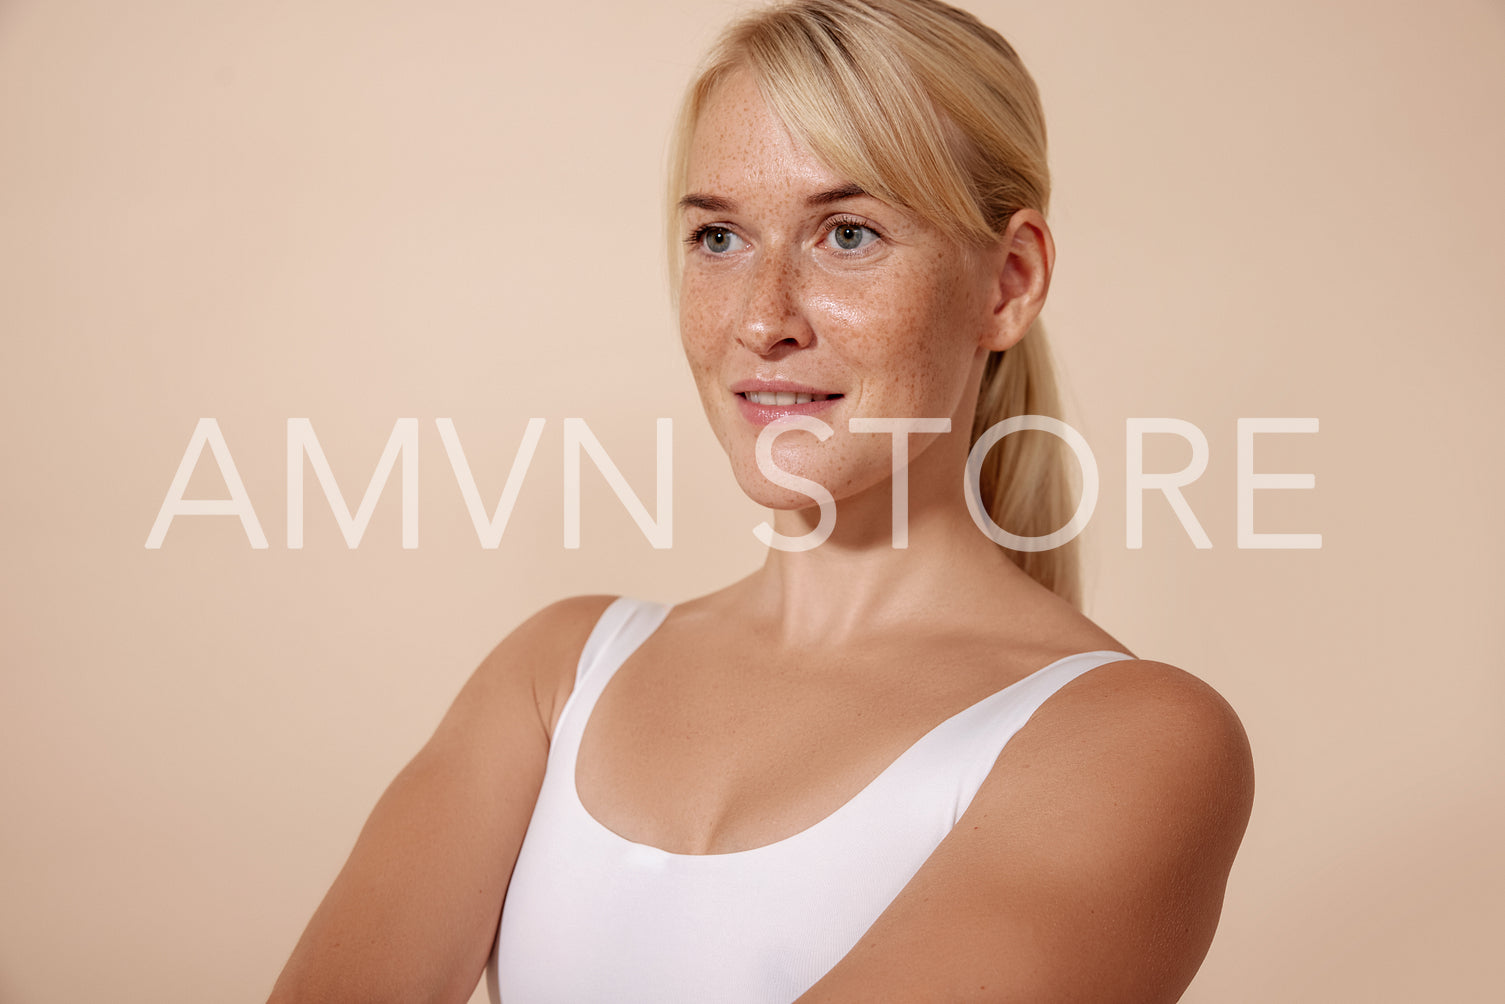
<point>1089,867</point>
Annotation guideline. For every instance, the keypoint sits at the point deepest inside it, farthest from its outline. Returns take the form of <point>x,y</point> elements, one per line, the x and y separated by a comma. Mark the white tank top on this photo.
<point>591,916</point>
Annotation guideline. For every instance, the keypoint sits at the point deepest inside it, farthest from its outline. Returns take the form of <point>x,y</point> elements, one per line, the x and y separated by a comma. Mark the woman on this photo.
<point>798,787</point>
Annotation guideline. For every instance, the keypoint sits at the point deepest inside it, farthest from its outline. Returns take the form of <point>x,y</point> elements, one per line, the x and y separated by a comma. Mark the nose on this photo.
<point>773,320</point>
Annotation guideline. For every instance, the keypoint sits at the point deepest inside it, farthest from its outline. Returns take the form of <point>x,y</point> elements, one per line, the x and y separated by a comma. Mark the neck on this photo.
<point>856,582</point>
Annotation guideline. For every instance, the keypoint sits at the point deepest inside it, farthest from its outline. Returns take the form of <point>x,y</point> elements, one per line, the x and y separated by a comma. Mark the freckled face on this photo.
<point>796,281</point>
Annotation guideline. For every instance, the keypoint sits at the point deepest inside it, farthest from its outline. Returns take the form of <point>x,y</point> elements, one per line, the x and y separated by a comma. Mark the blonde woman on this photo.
<point>897,763</point>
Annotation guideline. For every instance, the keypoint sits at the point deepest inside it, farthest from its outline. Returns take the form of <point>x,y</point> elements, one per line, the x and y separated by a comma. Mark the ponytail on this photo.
<point>1025,484</point>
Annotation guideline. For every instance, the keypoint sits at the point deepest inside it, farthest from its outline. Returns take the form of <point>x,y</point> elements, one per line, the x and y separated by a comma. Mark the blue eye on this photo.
<point>718,240</point>
<point>851,236</point>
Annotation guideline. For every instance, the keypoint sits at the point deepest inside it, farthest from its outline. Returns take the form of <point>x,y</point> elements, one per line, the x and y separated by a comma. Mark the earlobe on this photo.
<point>1028,252</point>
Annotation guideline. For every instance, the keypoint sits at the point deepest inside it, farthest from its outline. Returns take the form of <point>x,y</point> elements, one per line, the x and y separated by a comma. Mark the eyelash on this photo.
<point>837,222</point>
<point>697,236</point>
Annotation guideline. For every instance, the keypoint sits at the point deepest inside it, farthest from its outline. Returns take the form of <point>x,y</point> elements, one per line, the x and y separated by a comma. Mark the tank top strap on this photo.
<point>965,747</point>
<point>624,625</point>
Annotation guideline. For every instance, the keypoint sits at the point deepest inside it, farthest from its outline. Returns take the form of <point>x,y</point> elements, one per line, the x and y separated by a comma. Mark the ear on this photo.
<point>1022,263</point>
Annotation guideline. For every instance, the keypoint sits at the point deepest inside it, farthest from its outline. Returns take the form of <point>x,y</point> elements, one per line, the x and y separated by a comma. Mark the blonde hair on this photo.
<point>925,107</point>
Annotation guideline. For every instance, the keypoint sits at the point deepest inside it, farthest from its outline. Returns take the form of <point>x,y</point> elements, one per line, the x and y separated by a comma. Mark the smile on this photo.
<point>762,405</point>
<point>783,397</point>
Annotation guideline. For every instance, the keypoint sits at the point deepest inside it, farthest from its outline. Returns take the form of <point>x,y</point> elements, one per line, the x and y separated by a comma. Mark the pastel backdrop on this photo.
<point>355,213</point>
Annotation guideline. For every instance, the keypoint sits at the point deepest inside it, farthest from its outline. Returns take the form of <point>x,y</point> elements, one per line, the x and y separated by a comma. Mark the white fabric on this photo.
<point>593,917</point>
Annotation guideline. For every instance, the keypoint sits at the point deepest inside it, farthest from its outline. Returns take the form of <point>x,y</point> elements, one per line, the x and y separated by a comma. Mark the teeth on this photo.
<point>784,397</point>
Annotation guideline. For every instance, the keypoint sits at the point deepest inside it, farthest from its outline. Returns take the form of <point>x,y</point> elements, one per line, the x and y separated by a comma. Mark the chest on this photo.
<point>707,748</point>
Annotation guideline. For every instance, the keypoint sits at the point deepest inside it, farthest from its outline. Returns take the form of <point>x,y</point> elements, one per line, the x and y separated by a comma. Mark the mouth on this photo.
<point>783,397</point>
<point>760,407</point>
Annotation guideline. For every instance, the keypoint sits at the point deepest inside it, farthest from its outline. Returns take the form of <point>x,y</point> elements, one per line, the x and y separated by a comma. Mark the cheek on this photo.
<point>916,344</point>
<point>697,328</point>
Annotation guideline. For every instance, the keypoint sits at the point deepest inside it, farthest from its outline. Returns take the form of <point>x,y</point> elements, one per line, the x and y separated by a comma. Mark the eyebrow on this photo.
<point>831,195</point>
<point>717,204</point>
<point>710,203</point>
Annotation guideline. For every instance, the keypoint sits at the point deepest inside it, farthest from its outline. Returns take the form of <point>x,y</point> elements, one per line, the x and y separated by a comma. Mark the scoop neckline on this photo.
<point>826,821</point>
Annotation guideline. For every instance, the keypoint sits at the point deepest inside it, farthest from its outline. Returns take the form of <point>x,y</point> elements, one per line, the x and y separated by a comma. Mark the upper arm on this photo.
<point>412,915</point>
<point>1089,867</point>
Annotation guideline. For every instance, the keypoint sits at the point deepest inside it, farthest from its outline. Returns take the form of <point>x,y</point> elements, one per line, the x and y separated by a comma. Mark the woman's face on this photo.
<point>797,283</point>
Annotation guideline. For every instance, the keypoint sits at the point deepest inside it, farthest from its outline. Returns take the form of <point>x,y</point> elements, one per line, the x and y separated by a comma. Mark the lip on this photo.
<point>763,414</point>
<point>789,386</point>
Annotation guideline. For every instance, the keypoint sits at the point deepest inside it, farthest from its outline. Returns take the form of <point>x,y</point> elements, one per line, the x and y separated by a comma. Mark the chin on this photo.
<point>770,496</point>
<point>840,475</point>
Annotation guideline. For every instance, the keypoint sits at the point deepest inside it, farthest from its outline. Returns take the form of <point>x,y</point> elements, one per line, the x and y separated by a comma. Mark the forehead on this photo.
<point>741,146</point>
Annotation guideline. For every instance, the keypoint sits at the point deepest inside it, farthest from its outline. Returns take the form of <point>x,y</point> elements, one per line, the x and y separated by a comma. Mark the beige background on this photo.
<point>355,212</point>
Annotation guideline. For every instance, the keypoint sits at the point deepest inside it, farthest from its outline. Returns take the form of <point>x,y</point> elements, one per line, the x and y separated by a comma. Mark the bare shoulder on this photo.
<point>1091,864</point>
<point>1117,811</point>
<point>1134,765</point>
<point>1144,726</point>
<point>1141,695</point>
<point>413,913</point>
<point>557,629</point>
<point>540,654</point>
